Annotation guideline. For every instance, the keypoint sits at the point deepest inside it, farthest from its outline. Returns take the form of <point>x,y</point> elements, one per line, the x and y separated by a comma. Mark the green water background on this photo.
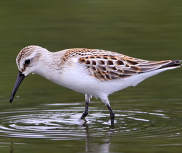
<point>144,29</point>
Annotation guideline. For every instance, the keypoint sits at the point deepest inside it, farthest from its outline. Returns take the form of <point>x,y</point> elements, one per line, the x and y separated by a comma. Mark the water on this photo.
<point>136,126</point>
<point>44,117</point>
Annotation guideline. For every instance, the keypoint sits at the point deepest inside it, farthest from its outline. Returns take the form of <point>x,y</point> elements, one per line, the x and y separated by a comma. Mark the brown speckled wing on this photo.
<point>111,66</point>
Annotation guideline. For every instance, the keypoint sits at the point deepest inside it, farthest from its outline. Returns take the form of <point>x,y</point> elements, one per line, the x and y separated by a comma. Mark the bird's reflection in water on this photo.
<point>11,148</point>
<point>90,145</point>
<point>93,147</point>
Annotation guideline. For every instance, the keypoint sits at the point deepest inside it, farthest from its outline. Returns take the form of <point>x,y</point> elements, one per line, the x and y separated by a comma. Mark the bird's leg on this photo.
<point>87,100</point>
<point>112,115</point>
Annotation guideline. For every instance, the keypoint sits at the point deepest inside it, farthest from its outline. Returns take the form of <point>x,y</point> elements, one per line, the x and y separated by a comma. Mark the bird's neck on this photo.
<point>50,65</point>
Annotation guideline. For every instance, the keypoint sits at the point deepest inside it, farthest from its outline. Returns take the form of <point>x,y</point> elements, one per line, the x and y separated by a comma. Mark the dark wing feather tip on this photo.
<point>173,63</point>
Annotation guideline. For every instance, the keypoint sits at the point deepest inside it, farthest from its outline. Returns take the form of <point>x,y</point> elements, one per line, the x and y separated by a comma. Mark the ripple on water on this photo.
<point>64,124</point>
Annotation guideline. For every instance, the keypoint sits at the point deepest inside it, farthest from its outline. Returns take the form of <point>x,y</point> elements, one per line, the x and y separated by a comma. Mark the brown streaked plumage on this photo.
<point>25,52</point>
<point>107,67</point>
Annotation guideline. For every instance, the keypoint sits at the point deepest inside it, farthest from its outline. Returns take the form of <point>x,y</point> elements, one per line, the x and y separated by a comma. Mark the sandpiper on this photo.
<point>92,72</point>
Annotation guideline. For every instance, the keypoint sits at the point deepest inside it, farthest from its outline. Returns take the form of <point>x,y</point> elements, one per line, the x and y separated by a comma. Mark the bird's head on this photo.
<point>28,62</point>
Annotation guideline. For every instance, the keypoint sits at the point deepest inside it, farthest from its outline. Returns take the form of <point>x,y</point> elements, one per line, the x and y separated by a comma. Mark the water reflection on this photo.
<point>64,124</point>
<point>50,123</point>
<point>11,148</point>
<point>91,147</point>
<point>133,124</point>
<point>61,124</point>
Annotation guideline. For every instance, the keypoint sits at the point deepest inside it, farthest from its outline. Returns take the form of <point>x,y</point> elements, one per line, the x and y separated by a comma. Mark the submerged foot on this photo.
<point>112,124</point>
<point>84,119</point>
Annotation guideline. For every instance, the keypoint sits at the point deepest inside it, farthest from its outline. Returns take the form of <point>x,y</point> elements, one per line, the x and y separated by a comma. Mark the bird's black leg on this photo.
<point>87,100</point>
<point>112,115</point>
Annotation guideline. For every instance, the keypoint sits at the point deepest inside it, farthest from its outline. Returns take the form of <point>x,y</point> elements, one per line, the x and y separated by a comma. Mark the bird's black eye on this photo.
<point>27,62</point>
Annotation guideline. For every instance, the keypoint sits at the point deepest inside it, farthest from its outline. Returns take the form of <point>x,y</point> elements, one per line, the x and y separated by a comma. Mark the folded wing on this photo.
<point>106,67</point>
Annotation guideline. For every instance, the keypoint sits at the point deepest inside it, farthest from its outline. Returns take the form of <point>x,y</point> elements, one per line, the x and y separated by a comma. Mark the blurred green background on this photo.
<point>143,29</point>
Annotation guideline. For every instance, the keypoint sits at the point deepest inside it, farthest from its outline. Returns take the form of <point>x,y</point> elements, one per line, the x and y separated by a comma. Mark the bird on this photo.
<point>93,72</point>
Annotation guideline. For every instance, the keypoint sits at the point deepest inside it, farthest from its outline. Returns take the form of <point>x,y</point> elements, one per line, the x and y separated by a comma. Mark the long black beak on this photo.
<point>19,79</point>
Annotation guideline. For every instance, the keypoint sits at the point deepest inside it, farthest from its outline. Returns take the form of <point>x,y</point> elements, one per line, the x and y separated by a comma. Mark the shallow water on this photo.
<point>44,117</point>
<point>138,127</point>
